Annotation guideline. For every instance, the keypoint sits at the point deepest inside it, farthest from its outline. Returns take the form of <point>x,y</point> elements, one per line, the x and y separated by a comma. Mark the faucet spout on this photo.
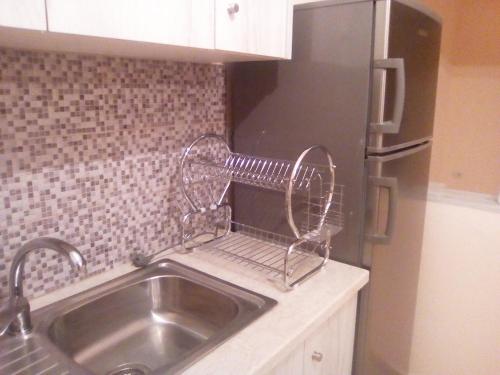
<point>20,309</point>
<point>17,268</point>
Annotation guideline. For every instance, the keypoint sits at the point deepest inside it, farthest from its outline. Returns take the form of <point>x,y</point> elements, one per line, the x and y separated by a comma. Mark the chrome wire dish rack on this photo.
<point>312,203</point>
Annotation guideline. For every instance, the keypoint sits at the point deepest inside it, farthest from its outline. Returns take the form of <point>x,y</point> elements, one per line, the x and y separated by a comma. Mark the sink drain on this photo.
<point>130,369</point>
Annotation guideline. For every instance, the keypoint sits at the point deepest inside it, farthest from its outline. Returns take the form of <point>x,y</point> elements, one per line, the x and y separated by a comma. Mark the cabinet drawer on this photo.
<point>253,26</point>
<point>177,22</point>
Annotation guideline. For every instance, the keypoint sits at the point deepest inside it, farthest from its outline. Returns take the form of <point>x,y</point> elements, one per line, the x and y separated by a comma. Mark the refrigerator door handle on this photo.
<point>392,126</point>
<point>390,183</point>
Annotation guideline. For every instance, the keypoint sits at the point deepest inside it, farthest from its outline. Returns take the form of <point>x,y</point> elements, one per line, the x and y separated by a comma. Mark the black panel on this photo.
<point>320,97</point>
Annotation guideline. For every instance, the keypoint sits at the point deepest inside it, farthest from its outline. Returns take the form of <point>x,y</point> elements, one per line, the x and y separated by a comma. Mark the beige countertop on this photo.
<point>264,343</point>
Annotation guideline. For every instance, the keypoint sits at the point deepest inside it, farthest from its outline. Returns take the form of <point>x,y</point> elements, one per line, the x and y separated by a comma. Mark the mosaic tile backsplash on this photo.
<point>89,148</point>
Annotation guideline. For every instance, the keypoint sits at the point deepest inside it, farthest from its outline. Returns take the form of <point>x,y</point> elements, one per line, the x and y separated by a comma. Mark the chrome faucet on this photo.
<point>15,317</point>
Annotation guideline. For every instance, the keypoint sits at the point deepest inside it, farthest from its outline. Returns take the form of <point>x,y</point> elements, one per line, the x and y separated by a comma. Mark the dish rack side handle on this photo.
<point>287,270</point>
<point>293,176</point>
<point>184,156</point>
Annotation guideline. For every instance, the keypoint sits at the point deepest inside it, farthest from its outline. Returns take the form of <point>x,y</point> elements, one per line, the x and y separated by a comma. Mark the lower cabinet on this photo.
<point>328,350</point>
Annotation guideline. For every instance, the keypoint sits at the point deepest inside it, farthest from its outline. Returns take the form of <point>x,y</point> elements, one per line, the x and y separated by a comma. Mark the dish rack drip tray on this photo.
<point>266,252</point>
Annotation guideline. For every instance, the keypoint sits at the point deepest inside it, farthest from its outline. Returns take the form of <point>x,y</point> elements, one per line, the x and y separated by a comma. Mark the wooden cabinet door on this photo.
<point>25,14</point>
<point>291,365</point>
<point>178,22</point>
<point>329,350</point>
<point>253,26</point>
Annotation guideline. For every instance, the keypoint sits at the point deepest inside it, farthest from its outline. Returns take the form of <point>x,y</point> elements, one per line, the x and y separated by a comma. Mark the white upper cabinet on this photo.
<point>24,14</point>
<point>185,30</point>
<point>259,27</point>
<point>187,23</point>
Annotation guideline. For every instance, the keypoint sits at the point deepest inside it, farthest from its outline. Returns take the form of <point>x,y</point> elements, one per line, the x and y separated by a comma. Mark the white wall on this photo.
<point>467,120</point>
<point>457,327</point>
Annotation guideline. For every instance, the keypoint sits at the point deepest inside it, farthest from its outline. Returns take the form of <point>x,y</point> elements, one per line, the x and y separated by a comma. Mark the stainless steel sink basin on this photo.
<point>156,320</point>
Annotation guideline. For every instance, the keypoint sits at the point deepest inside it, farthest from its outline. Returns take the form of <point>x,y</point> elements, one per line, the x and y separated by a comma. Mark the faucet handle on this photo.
<point>15,308</point>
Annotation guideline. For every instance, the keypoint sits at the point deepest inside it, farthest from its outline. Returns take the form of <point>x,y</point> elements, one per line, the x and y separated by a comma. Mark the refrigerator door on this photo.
<point>406,57</point>
<point>320,97</point>
<point>396,201</point>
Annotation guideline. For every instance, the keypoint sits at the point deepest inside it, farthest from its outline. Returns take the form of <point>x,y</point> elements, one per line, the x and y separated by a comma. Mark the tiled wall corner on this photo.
<point>89,148</point>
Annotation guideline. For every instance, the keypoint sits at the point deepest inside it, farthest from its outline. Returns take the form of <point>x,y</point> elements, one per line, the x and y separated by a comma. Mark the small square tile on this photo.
<point>89,147</point>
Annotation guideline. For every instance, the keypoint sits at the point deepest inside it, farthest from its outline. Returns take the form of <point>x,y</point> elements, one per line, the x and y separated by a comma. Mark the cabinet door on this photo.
<point>291,365</point>
<point>178,22</point>
<point>25,14</point>
<point>329,350</point>
<point>253,26</point>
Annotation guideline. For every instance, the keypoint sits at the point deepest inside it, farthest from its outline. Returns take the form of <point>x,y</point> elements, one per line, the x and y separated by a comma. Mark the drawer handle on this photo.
<point>317,356</point>
<point>233,8</point>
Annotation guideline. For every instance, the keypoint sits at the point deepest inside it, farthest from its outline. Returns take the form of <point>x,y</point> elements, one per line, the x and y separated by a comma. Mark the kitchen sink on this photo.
<point>156,320</point>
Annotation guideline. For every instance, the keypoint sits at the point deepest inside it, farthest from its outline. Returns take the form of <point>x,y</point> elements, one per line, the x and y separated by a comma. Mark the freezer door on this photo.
<point>405,69</point>
<point>320,97</point>
<point>394,227</point>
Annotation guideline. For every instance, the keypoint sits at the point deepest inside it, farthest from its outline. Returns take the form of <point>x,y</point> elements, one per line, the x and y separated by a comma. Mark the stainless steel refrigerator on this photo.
<point>362,82</point>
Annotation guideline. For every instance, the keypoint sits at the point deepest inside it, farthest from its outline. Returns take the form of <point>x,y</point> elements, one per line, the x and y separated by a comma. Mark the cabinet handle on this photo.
<point>392,126</point>
<point>233,8</point>
<point>317,356</point>
<point>391,184</point>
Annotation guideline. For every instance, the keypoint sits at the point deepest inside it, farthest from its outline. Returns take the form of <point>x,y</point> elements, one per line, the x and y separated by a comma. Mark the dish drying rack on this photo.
<point>312,202</point>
